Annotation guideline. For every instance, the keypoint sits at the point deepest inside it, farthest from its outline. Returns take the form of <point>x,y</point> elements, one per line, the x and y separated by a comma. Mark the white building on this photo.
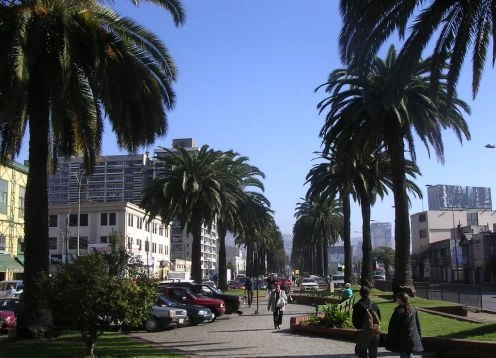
<point>381,234</point>
<point>148,241</point>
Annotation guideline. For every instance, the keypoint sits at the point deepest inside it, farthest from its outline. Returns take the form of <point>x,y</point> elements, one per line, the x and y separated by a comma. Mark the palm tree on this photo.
<point>319,223</point>
<point>457,27</point>
<point>64,67</point>
<point>229,218</point>
<point>365,103</point>
<point>192,188</point>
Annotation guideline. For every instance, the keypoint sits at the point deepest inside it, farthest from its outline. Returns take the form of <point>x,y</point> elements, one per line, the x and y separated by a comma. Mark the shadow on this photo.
<point>486,328</point>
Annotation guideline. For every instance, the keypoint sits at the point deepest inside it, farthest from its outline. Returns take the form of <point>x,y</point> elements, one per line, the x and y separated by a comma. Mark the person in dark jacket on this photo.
<point>404,332</point>
<point>366,342</point>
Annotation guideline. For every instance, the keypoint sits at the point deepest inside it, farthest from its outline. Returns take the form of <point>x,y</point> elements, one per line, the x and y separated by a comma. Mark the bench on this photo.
<point>344,306</point>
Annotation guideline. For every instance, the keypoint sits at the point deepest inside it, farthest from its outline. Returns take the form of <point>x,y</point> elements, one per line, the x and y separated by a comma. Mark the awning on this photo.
<point>8,263</point>
<point>20,258</point>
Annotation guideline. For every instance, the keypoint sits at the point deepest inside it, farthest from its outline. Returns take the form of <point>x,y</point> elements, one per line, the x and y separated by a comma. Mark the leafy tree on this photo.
<point>86,294</point>
<point>385,254</point>
<point>383,118</point>
<point>65,66</point>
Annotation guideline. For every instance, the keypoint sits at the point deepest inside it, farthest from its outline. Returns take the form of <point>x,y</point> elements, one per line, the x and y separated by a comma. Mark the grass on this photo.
<point>438,326</point>
<point>70,345</point>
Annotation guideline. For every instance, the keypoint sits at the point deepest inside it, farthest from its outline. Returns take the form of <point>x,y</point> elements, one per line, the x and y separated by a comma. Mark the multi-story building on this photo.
<point>68,236</point>
<point>116,178</point>
<point>478,255</point>
<point>381,234</point>
<point>13,178</point>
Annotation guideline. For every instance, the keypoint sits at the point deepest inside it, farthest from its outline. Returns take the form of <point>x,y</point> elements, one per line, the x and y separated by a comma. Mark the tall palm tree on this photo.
<point>365,102</point>
<point>456,26</point>
<point>319,223</point>
<point>192,188</point>
<point>64,67</point>
<point>229,218</point>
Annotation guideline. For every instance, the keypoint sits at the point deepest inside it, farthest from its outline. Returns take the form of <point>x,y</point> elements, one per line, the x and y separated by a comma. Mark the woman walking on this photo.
<point>277,303</point>
<point>404,333</point>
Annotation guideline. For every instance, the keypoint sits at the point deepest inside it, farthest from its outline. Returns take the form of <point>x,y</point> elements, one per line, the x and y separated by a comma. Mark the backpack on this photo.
<point>371,323</point>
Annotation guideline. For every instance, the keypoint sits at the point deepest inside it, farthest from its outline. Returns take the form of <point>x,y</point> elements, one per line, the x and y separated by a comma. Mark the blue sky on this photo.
<point>247,74</point>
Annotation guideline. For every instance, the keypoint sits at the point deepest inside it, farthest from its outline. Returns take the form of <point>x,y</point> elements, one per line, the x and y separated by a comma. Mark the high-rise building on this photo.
<point>381,234</point>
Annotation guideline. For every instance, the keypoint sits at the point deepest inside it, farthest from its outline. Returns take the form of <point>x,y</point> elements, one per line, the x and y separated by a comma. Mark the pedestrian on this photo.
<point>271,281</point>
<point>277,303</point>
<point>249,290</point>
<point>11,291</point>
<point>347,292</point>
<point>367,340</point>
<point>404,332</point>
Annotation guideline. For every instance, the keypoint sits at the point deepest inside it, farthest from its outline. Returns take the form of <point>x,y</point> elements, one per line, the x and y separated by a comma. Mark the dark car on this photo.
<point>7,313</point>
<point>164,317</point>
<point>184,295</point>
<point>196,314</point>
<point>232,301</point>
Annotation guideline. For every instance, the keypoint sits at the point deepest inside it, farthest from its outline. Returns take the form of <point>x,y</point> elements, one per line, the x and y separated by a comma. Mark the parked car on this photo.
<point>18,286</point>
<point>283,281</point>
<point>379,275</point>
<point>235,285</point>
<point>7,313</point>
<point>184,295</point>
<point>163,317</point>
<point>338,279</point>
<point>196,314</point>
<point>308,283</point>
<point>232,302</point>
<point>260,284</point>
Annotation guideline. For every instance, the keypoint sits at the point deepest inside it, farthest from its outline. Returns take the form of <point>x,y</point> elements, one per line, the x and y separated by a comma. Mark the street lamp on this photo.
<point>79,178</point>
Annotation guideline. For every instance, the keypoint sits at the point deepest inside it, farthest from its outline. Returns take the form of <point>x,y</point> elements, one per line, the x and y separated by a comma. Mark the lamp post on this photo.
<point>256,274</point>
<point>79,177</point>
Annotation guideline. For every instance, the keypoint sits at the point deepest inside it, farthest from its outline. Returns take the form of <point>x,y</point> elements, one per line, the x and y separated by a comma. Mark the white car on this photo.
<point>308,283</point>
<point>338,279</point>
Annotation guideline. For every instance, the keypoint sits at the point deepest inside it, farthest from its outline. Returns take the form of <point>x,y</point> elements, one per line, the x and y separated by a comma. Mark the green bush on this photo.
<point>333,317</point>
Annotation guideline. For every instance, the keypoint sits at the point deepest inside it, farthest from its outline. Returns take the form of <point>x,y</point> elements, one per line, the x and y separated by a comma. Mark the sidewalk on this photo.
<point>251,335</point>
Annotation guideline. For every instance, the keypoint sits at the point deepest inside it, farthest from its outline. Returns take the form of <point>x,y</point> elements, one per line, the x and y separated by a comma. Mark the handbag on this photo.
<point>280,302</point>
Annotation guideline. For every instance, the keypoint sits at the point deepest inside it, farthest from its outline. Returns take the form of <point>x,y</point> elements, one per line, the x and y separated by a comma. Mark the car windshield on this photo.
<point>308,280</point>
<point>213,289</point>
<point>167,300</point>
<point>338,277</point>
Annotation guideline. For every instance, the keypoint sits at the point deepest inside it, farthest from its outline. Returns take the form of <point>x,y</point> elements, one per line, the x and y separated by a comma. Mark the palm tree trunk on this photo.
<point>402,281</point>
<point>36,219</point>
<point>326,259</point>
<point>367,278</point>
<point>347,236</point>
<point>221,231</point>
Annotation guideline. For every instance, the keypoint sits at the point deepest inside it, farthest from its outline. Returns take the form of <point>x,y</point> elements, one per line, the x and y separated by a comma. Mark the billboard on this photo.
<point>446,197</point>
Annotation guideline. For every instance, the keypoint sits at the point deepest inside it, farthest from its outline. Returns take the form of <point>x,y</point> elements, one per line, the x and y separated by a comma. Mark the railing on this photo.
<point>477,296</point>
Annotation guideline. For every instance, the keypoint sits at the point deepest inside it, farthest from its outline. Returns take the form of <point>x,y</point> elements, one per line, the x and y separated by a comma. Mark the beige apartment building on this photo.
<point>13,178</point>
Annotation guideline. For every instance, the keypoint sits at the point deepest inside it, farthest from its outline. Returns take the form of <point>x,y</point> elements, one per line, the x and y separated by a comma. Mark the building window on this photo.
<point>129,243</point>
<point>83,220</point>
<point>422,217</point>
<point>160,248</point>
<point>423,233</point>
<point>154,247</point>
<point>52,243</point>
<point>73,220</point>
<point>140,223</point>
<point>147,246</point>
<point>107,219</point>
<point>52,221</point>
<point>130,220</point>
<point>22,194</point>
<point>138,242</point>
<point>472,219</point>
<point>103,239</point>
<point>4,189</point>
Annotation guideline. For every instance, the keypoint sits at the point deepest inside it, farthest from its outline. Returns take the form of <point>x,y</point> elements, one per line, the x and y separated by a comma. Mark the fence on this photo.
<point>469,295</point>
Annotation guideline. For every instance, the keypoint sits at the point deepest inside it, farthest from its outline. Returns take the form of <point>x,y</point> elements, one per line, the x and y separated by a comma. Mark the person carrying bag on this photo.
<point>366,319</point>
<point>277,303</point>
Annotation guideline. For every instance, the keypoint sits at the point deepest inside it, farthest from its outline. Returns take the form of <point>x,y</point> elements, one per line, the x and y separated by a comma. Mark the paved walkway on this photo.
<point>251,335</point>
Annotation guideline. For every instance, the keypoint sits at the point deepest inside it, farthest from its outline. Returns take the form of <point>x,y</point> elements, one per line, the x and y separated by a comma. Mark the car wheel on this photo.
<point>192,321</point>
<point>152,324</point>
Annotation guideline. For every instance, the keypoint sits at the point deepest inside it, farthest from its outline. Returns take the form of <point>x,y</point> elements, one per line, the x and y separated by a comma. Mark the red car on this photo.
<point>7,313</point>
<point>184,295</point>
